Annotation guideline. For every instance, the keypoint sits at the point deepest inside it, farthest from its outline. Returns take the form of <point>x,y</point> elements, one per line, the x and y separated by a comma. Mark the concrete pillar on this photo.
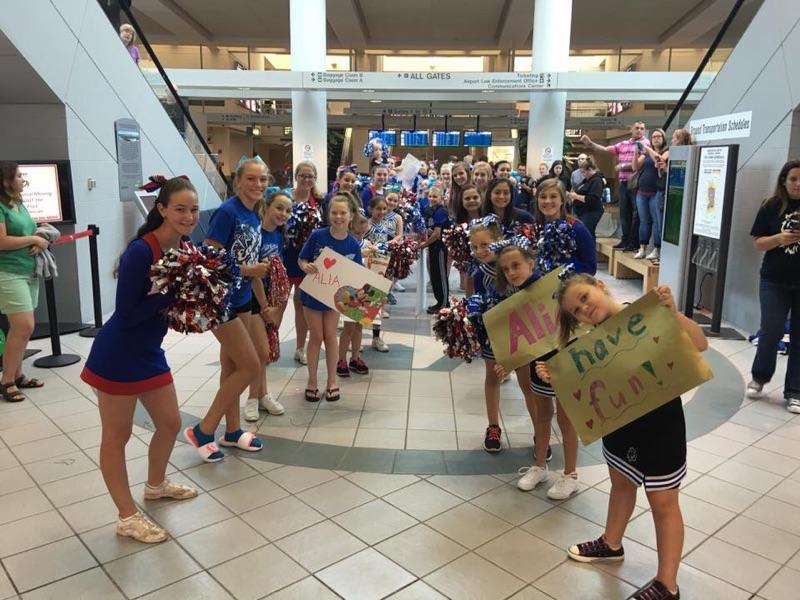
<point>309,111</point>
<point>552,23</point>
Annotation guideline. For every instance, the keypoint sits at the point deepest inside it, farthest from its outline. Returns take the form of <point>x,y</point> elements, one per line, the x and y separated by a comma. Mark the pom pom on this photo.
<point>413,221</point>
<point>454,328</point>
<point>304,219</point>
<point>156,181</point>
<point>277,295</point>
<point>456,239</point>
<point>556,246</point>
<point>401,255</point>
<point>201,279</point>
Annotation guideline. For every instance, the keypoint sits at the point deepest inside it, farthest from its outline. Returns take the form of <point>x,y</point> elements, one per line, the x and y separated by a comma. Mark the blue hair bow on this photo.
<point>490,219</point>
<point>517,240</point>
<point>567,272</point>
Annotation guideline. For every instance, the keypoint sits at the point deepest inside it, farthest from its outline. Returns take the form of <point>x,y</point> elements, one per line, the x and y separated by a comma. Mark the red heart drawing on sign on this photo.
<point>670,364</point>
<point>655,339</point>
<point>590,423</point>
<point>329,262</point>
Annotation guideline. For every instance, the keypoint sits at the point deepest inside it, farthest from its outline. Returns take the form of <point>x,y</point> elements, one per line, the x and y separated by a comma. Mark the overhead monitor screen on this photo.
<point>446,138</point>
<point>387,136</point>
<point>419,137</point>
<point>477,138</point>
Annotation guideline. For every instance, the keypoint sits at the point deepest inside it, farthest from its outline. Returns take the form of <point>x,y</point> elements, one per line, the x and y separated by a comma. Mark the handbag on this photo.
<point>633,181</point>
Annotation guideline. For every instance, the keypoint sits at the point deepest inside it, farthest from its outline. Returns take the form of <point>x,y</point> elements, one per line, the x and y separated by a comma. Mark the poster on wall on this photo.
<point>42,195</point>
<point>129,158</point>
<point>711,177</point>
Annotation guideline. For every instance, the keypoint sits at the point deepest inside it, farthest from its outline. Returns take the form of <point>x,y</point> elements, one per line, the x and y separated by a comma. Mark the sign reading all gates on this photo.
<point>636,361</point>
<point>432,80</point>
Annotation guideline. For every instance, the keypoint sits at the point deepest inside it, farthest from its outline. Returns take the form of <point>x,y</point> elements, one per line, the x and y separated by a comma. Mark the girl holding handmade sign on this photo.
<point>563,240</point>
<point>382,230</point>
<point>321,319</point>
<point>273,213</point>
<point>305,218</point>
<point>236,227</point>
<point>352,332</point>
<point>126,363</point>
<point>649,451</point>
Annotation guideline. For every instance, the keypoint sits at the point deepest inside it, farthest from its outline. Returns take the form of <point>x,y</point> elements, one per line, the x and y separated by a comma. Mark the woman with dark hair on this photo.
<point>559,170</point>
<point>19,286</point>
<point>776,232</point>
<point>587,198</point>
<point>649,198</point>
<point>126,363</point>
<point>498,201</point>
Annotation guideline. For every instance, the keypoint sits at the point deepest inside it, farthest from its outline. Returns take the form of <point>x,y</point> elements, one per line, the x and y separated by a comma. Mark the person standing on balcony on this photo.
<point>128,36</point>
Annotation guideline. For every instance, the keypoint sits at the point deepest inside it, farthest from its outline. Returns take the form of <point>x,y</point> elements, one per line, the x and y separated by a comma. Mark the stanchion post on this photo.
<point>95,267</point>
<point>56,359</point>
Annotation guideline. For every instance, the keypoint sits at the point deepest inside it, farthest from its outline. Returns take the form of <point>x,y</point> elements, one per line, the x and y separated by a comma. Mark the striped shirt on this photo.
<point>625,151</point>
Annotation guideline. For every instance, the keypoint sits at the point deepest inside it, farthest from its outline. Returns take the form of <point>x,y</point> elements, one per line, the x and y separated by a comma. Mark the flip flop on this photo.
<point>312,395</point>
<point>247,442</point>
<point>332,394</point>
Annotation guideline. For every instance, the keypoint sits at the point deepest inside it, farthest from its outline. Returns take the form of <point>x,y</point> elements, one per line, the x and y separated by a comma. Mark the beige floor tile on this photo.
<point>375,521</point>
<point>379,402</point>
<point>562,528</point>
<point>31,532</point>
<point>74,489</point>
<point>320,545</point>
<point>365,575</point>
<point>330,435</point>
<point>419,439</point>
<point>381,484</point>
<point>430,404</point>
<point>718,445</point>
<point>106,545</point>
<point>89,585</point>
<point>180,518</point>
<point>393,439</point>
<point>726,495</point>
<point>15,479</point>
<point>756,420</point>
<point>577,580</point>
<point>734,565</point>
<point>700,460</point>
<point>420,549</point>
<point>248,494</point>
<point>472,577</point>
<point>465,486</point>
<point>48,563</point>
<point>767,461</point>
<point>431,421</point>
<point>787,491</point>
<point>512,504</point>
<point>422,500</point>
<point>90,514</point>
<point>739,433</point>
<point>211,476</point>
<point>779,445</point>
<point>282,518</point>
<point>383,419</point>
<point>214,544</point>
<point>783,586</point>
<point>703,516</point>
<point>643,530</point>
<point>335,497</point>
<point>698,584</point>
<point>639,566</point>
<point>468,525</point>
<point>766,541</point>
<point>38,430</point>
<point>336,418</point>
<point>419,590</point>
<point>258,573</point>
<point>200,585</point>
<point>305,588</point>
<point>522,554</point>
<point>530,593</point>
<point>750,478</point>
<point>776,513</point>
<point>297,479</point>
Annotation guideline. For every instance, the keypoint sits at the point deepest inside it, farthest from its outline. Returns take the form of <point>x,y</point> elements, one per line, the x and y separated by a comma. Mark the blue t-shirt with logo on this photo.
<point>319,240</point>
<point>272,244</point>
<point>238,230</point>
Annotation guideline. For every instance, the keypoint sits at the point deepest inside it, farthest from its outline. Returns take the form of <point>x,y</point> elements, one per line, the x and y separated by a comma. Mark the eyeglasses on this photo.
<point>306,176</point>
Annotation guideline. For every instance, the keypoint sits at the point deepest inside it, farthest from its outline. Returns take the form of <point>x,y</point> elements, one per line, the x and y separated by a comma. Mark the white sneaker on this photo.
<point>793,405</point>
<point>640,253</point>
<point>272,406</point>
<point>754,390</point>
<point>384,313</point>
<point>531,477</point>
<point>564,487</point>
<point>379,345</point>
<point>399,287</point>
<point>300,356</point>
<point>655,254</point>
<point>140,528</point>
<point>169,489</point>
<point>251,410</point>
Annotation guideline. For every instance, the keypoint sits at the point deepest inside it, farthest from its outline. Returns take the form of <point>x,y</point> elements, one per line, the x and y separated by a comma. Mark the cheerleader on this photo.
<point>437,222</point>
<point>126,364</point>
<point>498,200</point>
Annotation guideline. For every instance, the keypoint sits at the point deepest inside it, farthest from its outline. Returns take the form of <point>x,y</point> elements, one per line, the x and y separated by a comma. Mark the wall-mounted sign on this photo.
<point>711,177</point>
<point>129,158</point>
<point>724,127</point>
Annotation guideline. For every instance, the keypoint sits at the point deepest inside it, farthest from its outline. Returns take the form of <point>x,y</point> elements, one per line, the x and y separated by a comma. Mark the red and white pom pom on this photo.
<point>456,331</point>
<point>201,279</point>
<point>277,295</point>
<point>401,256</point>
<point>457,241</point>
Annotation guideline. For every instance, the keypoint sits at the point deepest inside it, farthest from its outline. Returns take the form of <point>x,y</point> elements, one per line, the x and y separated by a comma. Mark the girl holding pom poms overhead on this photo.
<point>126,363</point>
<point>235,226</point>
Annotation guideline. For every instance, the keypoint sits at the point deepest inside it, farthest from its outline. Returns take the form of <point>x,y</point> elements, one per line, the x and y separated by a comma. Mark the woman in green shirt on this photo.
<point>19,286</point>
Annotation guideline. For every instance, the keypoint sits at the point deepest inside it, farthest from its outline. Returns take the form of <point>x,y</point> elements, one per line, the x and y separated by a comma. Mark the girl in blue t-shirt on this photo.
<point>274,213</point>
<point>321,319</point>
<point>236,228</point>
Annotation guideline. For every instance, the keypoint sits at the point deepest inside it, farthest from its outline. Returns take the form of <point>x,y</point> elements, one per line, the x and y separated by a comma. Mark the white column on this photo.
<point>552,24</point>
<point>309,109</point>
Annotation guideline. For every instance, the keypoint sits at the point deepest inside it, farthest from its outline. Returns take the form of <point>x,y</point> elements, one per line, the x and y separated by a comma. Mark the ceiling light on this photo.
<point>256,130</point>
<point>368,91</point>
<point>483,102</point>
<point>488,91</point>
<point>376,101</point>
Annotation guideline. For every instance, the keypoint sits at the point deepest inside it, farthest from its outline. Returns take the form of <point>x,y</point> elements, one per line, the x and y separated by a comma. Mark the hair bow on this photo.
<point>566,272</point>
<point>346,169</point>
<point>490,219</point>
<point>157,181</point>
<point>517,240</point>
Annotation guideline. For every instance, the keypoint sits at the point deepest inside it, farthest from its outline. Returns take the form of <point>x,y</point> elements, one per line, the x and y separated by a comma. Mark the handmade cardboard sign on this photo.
<point>347,287</point>
<point>636,361</point>
<point>524,326</point>
<point>377,263</point>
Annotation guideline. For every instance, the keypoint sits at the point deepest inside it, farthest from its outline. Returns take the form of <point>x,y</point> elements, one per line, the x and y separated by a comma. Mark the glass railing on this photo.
<point>177,109</point>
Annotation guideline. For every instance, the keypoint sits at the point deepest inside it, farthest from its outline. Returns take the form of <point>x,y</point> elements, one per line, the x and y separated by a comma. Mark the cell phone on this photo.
<point>639,146</point>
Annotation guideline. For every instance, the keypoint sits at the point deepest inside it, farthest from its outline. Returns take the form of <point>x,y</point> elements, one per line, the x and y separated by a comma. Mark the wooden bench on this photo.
<point>627,267</point>
<point>606,252</point>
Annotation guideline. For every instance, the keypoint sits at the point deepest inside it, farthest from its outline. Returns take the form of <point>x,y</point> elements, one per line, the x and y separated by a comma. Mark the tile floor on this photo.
<point>261,529</point>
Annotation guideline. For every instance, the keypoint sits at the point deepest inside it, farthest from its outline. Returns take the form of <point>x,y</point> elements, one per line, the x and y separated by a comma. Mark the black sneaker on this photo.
<point>595,550</point>
<point>359,366</point>
<point>391,299</point>
<point>432,310</point>
<point>491,442</point>
<point>619,246</point>
<point>341,369</point>
<point>549,455</point>
<point>655,590</point>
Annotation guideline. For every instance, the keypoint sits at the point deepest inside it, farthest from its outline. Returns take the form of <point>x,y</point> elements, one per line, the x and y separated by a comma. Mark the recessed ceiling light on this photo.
<point>368,91</point>
<point>376,101</point>
<point>488,91</point>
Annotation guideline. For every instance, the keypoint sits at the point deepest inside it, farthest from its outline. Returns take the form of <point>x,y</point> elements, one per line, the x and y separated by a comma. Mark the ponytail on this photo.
<point>154,219</point>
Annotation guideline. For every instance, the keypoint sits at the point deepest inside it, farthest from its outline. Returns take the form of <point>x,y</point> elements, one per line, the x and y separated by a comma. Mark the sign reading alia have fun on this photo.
<point>636,361</point>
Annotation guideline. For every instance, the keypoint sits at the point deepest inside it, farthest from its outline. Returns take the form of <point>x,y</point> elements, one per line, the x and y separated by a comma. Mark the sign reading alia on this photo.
<point>636,361</point>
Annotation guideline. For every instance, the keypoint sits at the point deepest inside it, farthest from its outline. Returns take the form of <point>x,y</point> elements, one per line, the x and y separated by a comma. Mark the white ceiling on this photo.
<point>427,25</point>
